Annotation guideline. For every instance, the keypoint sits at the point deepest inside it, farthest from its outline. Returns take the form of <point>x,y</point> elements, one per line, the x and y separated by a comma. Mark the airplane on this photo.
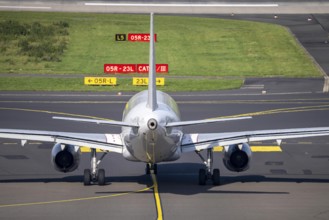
<point>152,132</point>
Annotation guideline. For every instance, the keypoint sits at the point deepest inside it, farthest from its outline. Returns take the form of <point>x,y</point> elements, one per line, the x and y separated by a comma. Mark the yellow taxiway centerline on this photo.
<point>157,197</point>
<point>256,149</point>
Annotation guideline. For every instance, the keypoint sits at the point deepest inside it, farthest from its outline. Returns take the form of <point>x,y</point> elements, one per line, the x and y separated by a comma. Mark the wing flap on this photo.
<point>107,142</point>
<point>192,142</point>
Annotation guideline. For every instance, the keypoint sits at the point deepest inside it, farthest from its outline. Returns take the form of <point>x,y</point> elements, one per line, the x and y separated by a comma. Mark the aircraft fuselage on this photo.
<point>152,142</point>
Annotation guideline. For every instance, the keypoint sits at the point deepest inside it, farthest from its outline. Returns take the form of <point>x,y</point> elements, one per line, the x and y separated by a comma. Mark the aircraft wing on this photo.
<point>196,142</point>
<point>107,142</point>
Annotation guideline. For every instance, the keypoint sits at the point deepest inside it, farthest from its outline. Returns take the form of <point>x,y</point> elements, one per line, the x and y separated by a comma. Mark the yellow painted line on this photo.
<point>88,150</point>
<point>218,149</point>
<point>110,81</point>
<point>10,143</point>
<point>144,81</point>
<point>255,149</point>
<point>52,112</point>
<point>75,200</point>
<point>266,149</point>
<point>35,143</point>
<point>304,142</point>
<point>282,110</point>
<point>157,197</point>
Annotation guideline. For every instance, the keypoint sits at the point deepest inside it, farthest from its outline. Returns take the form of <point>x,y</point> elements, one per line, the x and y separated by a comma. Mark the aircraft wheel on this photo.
<point>86,177</point>
<point>101,177</point>
<point>202,177</point>
<point>148,169</point>
<point>216,177</point>
<point>155,169</point>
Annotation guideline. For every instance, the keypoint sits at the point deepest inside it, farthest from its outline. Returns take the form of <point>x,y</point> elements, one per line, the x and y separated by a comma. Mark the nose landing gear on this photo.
<point>151,167</point>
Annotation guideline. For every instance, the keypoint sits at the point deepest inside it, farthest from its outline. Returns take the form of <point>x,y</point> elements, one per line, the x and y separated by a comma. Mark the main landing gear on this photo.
<point>94,175</point>
<point>205,174</point>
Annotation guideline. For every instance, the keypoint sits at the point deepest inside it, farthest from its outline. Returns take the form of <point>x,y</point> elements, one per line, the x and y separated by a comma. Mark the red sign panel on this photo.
<point>142,68</point>
<point>134,68</point>
<point>162,68</point>
<point>120,68</point>
<point>159,68</point>
<point>140,37</point>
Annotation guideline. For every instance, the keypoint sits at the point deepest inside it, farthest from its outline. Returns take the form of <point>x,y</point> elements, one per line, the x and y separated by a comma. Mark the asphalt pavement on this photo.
<point>292,184</point>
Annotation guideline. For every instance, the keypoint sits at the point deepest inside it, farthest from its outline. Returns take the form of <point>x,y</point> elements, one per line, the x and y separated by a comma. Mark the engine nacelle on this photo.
<point>65,158</point>
<point>237,157</point>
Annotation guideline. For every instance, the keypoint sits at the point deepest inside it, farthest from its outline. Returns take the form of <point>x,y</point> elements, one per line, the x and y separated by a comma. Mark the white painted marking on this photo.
<point>178,5</point>
<point>23,7</point>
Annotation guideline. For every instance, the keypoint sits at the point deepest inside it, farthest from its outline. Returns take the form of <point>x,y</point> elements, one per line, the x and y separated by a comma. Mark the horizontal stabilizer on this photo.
<point>107,122</point>
<point>206,121</point>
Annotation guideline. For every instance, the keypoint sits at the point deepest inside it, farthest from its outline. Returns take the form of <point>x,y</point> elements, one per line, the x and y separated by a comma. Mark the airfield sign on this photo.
<point>144,81</point>
<point>100,81</point>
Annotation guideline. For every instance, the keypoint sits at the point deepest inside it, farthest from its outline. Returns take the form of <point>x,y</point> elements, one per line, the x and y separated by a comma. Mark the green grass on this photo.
<point>76,84</point>
<point>191,46</point>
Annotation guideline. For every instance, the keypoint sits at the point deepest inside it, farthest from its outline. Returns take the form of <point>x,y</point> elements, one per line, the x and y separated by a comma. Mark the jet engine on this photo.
<point>237,157</point>
<point>65,158</point>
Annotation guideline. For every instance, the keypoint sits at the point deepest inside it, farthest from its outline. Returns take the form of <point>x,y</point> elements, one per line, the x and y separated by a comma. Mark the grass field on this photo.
<point>76,84</point>
<point>191,46</point>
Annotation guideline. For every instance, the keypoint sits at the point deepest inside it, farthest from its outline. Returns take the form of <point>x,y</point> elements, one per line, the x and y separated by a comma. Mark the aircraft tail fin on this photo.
<point>152,96</point>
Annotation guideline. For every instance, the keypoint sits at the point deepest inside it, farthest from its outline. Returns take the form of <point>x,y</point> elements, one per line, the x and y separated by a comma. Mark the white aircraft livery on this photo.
<point>152,133</point>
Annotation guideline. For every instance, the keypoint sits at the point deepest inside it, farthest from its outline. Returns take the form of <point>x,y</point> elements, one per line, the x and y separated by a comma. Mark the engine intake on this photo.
<point>237,157</point>
<point>65,158</point>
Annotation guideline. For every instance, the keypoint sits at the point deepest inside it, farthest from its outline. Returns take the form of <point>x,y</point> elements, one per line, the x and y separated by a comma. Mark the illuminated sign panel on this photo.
<point>100,81</point>
<point>120,37</point>
<point>160,68</point>
<point>135,37</point>
<point>134,68</point>
<point>120,68</point>
<point>144,81</point>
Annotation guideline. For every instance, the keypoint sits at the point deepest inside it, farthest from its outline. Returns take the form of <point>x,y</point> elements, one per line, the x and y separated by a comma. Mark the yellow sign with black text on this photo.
<point>101,81</point>
<point>144,81</point>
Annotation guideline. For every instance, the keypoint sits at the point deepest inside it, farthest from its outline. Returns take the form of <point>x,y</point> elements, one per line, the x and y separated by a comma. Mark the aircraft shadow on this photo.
<point>182,179</point>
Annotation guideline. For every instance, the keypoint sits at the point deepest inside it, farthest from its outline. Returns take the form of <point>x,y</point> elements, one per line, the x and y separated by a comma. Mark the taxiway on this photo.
<point>292,184</point>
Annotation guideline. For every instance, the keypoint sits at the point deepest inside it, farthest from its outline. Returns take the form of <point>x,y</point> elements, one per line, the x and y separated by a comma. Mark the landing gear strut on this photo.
<point>206,174</point>
<point>150,167</point>
<point>95,174</point>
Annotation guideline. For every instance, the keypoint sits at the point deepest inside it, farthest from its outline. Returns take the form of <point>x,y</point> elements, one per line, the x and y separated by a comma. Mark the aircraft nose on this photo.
<point>152,124</point>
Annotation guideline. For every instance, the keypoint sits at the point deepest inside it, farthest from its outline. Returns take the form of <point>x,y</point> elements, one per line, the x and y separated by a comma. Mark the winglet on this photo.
<point>152,98</point>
